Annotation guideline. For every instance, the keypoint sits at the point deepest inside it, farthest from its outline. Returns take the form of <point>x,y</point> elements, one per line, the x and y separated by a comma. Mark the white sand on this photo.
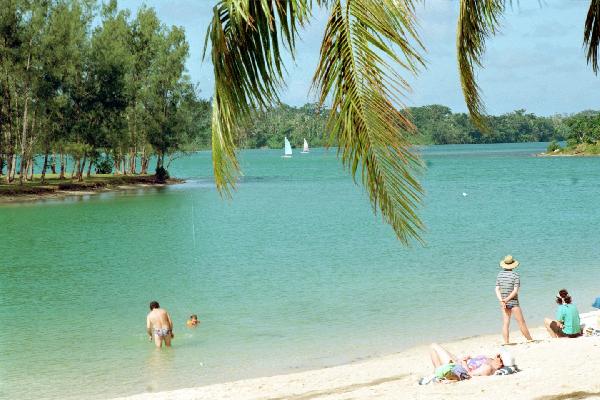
<point>552,369</point>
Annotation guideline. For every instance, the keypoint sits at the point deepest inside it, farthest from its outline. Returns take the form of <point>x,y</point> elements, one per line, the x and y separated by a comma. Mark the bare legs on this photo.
<point>439,355</point>
<point>506,313</point>
<point>553,328</point>
<point>158,341</point>
<point>521,321</point>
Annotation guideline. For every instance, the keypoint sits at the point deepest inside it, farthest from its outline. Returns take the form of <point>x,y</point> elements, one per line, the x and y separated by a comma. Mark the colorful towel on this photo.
<point>507,370</point>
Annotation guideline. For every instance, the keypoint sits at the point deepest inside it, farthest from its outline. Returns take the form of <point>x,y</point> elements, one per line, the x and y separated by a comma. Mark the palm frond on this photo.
<point>478,20</point>
<point>357,71</point>
<point>591,35</point>
<point>247,38</point>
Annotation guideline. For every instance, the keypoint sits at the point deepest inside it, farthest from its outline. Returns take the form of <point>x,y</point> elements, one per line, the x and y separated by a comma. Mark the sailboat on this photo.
<point>305,148</point>
<point>288,149</point>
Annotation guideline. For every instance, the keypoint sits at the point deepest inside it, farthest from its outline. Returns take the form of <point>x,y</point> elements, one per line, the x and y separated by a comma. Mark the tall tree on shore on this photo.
<point>11,20</point>
<point>166,90</point>
<point>34,28</point>
<point>144,38</point>
<point>366,43</point>
<point>109,63</point>
<point>64,46</point>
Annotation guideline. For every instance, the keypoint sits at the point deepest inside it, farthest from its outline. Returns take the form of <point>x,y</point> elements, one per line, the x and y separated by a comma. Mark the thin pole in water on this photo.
<point>193,223</point>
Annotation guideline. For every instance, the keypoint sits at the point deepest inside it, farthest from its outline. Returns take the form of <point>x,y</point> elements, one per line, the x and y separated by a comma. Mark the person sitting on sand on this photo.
<point>508,284</point>
<point>567,322</point>
<point>193,321</point>
<point>474,366</point>
<point>159,325</point>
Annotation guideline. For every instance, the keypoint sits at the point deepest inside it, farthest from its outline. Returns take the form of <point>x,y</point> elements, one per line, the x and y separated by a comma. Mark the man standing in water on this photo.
<point>159,325</point>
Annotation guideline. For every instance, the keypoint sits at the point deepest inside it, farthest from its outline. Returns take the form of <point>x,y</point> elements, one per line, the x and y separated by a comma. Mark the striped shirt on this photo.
<point>508,280</point>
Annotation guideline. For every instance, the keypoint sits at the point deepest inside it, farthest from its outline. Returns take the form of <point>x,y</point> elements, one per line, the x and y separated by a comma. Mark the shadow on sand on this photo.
<point>339,390</point>
<point>578,395</point>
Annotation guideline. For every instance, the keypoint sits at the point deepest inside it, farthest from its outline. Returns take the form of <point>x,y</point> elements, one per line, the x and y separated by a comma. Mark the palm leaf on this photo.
<point>247,37</point>
<point>478,20</point>
<point>357,71</point>
<point>591,35</point>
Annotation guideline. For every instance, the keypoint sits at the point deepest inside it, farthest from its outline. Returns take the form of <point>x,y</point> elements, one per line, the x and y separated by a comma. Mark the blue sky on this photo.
<point>537,62</point>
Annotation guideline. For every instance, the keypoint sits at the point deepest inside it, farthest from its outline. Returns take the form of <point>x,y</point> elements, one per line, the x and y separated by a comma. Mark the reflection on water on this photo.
<point>158,363</point>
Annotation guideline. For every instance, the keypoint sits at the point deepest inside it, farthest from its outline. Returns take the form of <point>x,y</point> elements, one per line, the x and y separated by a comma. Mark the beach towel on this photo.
<point>451,372</point>
<point>445,372</point>
<point>589,320</point>
<point>426,380</point>
<point>507,370</point>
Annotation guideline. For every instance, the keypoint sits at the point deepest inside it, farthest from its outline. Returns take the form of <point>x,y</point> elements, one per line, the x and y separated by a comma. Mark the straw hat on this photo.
<point>509,262</point>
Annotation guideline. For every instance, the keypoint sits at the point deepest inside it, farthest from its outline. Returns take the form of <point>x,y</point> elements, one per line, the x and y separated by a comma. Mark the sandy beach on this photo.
<point>551,369</point>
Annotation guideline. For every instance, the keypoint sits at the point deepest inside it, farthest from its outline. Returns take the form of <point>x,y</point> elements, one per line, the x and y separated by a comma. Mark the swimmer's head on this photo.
<point>154,304</point>
<point>194,317</point>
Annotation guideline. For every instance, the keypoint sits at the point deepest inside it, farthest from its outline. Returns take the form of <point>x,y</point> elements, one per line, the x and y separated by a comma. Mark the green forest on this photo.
<point>436,124</point>
<point>108,90</point>
<point>95,84</point>
<point>583,135</point>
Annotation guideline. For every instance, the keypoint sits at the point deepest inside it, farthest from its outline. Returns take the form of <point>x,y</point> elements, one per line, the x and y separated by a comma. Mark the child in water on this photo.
<point>193,321</point>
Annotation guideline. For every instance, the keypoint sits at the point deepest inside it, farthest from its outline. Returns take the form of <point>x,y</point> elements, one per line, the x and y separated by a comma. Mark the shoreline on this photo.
<point>69,188</point>
<point>543,365</point>
<point>582,155</point>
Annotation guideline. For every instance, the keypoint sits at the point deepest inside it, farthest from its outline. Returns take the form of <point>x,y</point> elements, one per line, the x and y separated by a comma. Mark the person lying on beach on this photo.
<point>193,321</point>
<point>443,361</point>
<point>159,325</point>
<point>508,284</point>
<point>567,322</point>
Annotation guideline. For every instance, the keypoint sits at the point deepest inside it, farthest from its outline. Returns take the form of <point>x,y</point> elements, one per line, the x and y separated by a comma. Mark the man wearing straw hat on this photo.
<point>507,291</point>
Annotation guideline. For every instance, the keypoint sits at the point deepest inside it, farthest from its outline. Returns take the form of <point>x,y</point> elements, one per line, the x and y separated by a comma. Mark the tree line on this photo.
<point>436,124</point>
<point>94,84</point>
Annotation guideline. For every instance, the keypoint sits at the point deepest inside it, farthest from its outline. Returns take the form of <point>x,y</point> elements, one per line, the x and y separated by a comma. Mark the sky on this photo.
<point>537,61</point>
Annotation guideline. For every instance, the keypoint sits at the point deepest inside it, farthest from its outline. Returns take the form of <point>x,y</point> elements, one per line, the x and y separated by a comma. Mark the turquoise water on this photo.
<point>294,273</point>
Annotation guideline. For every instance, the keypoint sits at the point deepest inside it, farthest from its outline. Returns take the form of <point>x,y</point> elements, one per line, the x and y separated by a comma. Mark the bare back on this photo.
<point>160,327</point>
<point>159,319</point>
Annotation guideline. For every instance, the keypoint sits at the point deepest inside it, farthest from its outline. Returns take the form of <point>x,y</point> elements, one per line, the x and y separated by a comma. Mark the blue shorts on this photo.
<point>512,304</point>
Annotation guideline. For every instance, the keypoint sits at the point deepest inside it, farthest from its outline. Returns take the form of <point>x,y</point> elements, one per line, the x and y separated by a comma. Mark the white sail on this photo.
<point>288,148</point>
<point>305,148</point>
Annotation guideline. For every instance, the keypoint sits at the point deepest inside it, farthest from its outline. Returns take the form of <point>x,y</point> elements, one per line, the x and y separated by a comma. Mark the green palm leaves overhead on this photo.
<point>247,39</point>
<point>366,46</point>
<point>477,20</point>
<point>365,43</point>
<point>591,35</point>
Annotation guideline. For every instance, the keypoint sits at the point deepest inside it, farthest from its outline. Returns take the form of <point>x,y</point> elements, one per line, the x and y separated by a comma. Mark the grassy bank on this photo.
<point>581,150</point>
<point>53,186</point>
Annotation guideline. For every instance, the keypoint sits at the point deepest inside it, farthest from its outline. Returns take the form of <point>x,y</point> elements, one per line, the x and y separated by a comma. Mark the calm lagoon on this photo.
<point>294,273</point>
